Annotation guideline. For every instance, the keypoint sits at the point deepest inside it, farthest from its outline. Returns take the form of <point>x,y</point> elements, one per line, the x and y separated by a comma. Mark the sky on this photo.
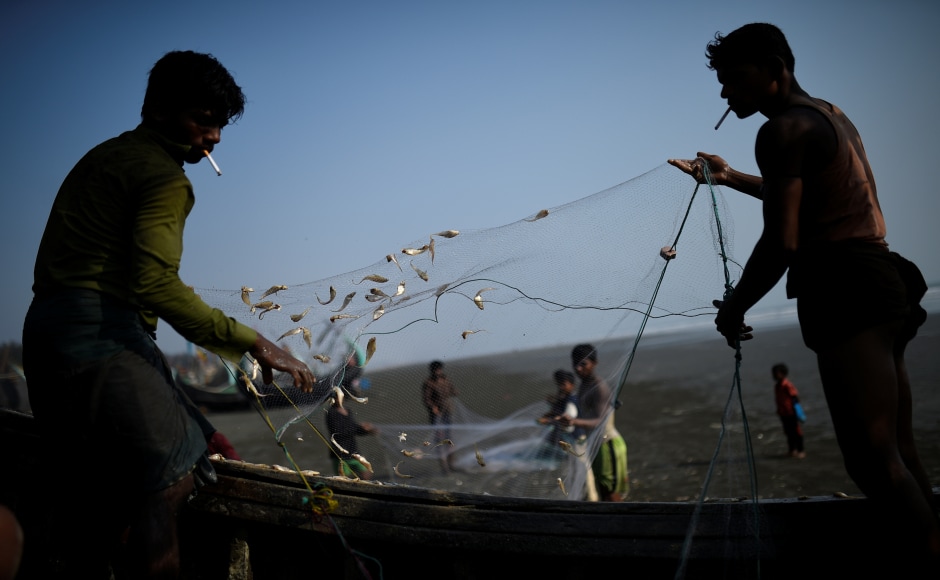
<point>391,119</point>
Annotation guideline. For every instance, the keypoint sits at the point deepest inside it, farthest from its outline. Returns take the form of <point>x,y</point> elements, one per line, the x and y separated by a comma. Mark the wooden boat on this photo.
<point>257,522</point>
<point>212,386</point>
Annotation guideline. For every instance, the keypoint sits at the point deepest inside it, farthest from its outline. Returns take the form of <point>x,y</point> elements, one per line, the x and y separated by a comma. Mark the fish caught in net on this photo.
<point>611,269</point>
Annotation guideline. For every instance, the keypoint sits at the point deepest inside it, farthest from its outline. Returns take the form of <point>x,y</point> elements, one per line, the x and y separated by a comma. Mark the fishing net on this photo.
<point>501,309</point>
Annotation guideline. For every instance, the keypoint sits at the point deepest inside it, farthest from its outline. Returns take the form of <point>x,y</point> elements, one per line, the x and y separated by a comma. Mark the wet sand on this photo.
<point>671,417</point>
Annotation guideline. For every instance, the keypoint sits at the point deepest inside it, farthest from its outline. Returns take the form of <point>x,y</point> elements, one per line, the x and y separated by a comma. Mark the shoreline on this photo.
<point>673,403</point>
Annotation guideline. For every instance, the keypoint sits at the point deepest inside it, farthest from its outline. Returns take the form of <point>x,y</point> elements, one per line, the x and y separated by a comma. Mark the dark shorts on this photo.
<point>104,395</point>
<point>846,288</point>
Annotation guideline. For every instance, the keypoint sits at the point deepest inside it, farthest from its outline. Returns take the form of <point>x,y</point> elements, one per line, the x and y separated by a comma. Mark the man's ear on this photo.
<point>776,66</point>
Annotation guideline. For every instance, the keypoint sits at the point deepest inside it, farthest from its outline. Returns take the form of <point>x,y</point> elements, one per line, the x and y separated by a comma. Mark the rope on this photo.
<point>735,390</point>
<point>320,500</point>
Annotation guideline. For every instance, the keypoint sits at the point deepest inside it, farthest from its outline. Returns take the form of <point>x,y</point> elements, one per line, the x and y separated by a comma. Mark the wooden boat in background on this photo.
<point>256,522</point>
<point>210,383</point>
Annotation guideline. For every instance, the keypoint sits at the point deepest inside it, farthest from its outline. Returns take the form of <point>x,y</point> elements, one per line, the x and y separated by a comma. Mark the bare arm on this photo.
<point>271,357</point>
<point>781,153</point>
<point>721,173</point>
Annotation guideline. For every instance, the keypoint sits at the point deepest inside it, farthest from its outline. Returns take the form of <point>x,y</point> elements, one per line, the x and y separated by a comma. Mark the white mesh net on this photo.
<point>501,308</point>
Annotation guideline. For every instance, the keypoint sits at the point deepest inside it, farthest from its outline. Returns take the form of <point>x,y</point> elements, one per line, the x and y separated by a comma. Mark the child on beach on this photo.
<point>563,402</point>
<point>595,407</point>
<point>344,428</point>
<point>787,398</point>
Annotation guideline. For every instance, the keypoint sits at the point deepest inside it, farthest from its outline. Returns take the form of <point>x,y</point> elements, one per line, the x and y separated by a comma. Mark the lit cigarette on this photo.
<point>219,171</point>
<point>720,121</point>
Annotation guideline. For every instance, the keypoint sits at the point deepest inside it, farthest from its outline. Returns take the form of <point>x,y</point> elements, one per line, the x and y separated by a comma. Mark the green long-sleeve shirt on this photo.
<point>117,227</point>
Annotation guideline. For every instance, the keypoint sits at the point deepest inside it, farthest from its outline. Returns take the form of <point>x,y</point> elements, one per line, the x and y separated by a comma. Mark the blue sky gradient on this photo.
<point>372,123</point>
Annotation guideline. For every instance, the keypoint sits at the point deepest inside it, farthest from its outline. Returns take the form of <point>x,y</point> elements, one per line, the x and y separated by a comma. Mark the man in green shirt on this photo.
<point>106,270</point>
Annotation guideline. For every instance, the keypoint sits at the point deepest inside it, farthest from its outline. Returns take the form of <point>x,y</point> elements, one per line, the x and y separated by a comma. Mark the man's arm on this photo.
<point>721,173</point>
<point>781,152</point>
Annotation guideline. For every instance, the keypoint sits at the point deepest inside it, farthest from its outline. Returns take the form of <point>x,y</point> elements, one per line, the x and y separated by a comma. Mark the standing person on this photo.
<point>437,393</point>
<point>596,414</point>
<point>106,270</point>
<point>344,428</point>
<point>787,397</point>
<point>857,302</point>
<point>563,402</point>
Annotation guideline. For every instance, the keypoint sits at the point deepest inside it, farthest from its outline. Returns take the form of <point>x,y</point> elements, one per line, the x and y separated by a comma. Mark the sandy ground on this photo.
<point>674,402</point>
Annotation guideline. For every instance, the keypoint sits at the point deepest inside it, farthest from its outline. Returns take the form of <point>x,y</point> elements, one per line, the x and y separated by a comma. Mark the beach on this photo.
<point>673,404</point>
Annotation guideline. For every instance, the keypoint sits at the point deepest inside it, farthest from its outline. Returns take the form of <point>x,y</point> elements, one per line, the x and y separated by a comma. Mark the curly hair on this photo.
<point>750,44</point>
<point>182,80</point>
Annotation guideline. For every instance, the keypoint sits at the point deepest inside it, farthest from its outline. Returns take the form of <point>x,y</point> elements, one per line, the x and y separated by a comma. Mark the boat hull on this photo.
<point>257,521</point>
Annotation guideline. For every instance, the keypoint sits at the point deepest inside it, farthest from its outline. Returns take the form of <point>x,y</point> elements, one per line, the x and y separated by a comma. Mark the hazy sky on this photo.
<point>392,119</point>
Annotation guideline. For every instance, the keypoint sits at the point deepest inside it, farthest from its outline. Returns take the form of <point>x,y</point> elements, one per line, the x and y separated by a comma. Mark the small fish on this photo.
<point>467,333</point>
<point>440,291</point>
<point>421,273</point>
<point>291,332</point>
<point>376,294</point>
<point>251,387</point>
<point>399,473</point>
<point>479,456</point>
<point>561,484</point>
<point>346,302</point>
<point>447,234</point>
<point>567,447</point>
<point>392,258</point>
<point>414,251</point>
<point>479,299</point>
<point>332,296</point>
<point>407,453</point>
<point>273,290</point>
<point>370,350</point>
<point>325,359</point>
<point>363,461</point>
<point>373,278</point>
<point>298,317</point>
<point>338,446</point>
<point>338,396</point>
<point>539,215</point>
<point>445,442</point>
<point>266,310</point>
<point>378,312</point>
<point>362,400</point>
<point>401,288</point>
<point>264,304</point>
<point>336,317</point>
<point>255,368</point>
<point>402,436</point>
<point>245,292</point>
<point>431,249</point>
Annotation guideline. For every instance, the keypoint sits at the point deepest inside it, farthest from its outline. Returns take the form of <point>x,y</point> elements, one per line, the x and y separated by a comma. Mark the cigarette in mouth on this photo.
<point>720,121</point>
<point>219,171</point>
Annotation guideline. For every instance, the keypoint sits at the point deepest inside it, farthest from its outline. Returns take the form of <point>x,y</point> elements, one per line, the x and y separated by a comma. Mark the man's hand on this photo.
<point>271,357</point>
<point>730,323</point>
<point>718,167</point>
